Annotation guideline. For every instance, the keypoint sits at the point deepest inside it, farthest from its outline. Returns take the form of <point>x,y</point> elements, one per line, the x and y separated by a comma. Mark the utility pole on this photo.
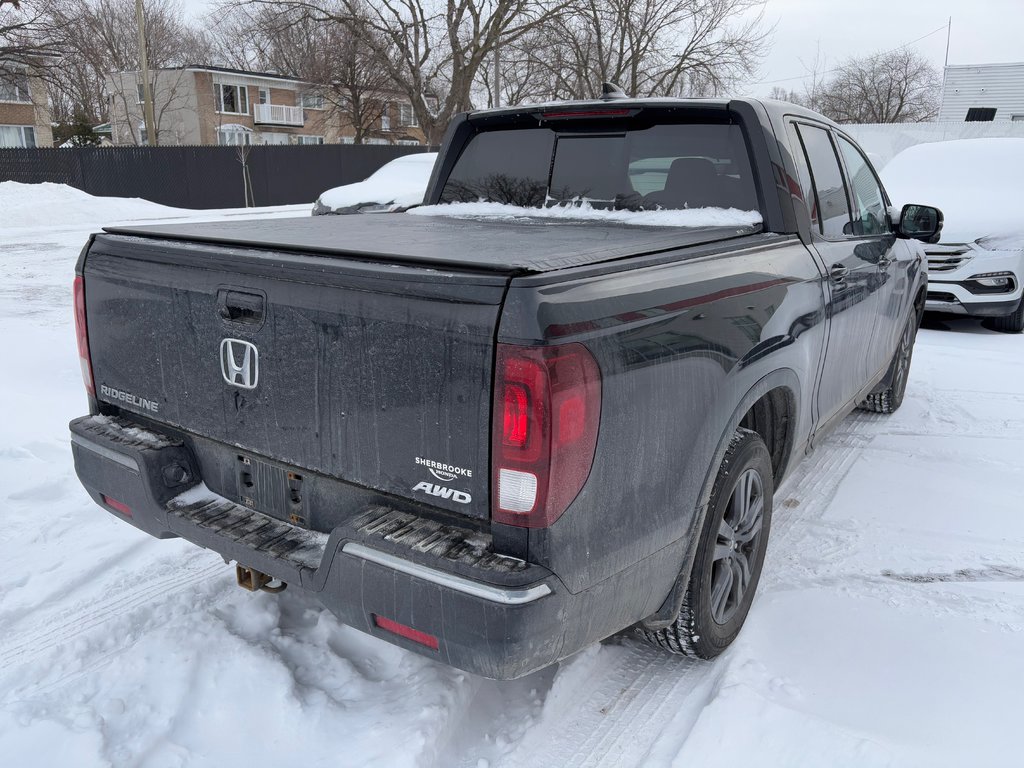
<point>497,74</point>
<point>949,30</point>
<point>147,86</point>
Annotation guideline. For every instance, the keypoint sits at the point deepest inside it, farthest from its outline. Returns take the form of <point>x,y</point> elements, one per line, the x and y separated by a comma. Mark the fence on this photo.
<point>201,177</point>
<point>886,140</point>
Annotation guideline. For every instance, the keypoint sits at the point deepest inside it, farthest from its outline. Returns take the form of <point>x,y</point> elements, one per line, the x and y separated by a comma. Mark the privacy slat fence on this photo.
<point>201,177</point>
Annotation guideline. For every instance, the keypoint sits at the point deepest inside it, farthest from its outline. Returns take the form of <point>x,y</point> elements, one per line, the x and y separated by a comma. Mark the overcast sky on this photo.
<point>983,31</point>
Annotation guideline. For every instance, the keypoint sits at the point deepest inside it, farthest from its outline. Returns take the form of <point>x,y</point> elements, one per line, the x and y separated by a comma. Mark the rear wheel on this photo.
<point>1012,323</point>
<point>890,396</point>
<point>729,556</point>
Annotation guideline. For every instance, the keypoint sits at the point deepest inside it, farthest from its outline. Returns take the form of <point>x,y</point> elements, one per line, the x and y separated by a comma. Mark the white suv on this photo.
<point>978,279</point>
<point>978,185</point>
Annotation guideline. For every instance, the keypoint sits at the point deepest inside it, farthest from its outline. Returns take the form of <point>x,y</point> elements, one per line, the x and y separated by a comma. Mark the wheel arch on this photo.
<point>779,389</point>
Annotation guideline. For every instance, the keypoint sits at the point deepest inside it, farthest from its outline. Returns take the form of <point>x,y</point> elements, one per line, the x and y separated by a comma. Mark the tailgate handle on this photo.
<point>240,307</point>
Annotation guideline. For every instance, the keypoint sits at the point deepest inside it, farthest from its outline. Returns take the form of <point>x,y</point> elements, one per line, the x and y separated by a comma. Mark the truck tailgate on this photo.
<point>376,374</point>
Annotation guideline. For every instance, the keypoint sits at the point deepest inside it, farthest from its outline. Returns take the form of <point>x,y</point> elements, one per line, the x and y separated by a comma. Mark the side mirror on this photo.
<point>920,222</point>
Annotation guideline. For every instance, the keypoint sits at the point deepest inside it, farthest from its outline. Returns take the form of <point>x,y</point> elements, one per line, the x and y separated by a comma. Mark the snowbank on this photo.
<point>30,205</point>
<point>977,183</point>
<point>49,207</point>
<point>693,217</point>
<point>402,182</point>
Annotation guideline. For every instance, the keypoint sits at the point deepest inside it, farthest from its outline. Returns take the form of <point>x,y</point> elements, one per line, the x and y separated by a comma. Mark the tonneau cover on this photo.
<point>523,245</point>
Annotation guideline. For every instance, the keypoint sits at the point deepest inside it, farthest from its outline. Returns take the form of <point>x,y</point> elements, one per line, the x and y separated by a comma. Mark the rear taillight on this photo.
<point>546,412</point>
<point>83,336</point>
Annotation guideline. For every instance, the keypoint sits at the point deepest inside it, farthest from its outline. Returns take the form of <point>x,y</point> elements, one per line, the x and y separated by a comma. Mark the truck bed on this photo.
<point>521,246</point>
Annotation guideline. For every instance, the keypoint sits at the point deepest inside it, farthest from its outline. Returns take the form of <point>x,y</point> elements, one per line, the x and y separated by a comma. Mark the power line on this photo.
<point>836,69</point>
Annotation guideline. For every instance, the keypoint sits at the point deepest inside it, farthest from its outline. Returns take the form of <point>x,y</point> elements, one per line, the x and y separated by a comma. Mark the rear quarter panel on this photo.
<point>679,343</point>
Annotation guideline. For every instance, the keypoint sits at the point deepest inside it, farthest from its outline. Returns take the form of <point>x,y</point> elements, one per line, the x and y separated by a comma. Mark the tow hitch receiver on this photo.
<point>253,580</point>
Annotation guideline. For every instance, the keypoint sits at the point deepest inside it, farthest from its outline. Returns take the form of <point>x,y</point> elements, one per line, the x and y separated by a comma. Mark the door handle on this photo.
<point>240,307</point>
<point>838,273</point>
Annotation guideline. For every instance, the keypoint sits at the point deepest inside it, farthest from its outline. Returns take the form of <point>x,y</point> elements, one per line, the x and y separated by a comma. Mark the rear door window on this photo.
<point>869,217</point>
<point>831,207</point>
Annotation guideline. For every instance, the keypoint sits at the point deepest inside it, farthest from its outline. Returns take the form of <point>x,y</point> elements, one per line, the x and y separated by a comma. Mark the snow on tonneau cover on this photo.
<point>370,338</point>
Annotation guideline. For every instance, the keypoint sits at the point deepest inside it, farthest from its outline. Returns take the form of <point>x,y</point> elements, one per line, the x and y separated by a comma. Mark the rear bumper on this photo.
<point>491,615</point>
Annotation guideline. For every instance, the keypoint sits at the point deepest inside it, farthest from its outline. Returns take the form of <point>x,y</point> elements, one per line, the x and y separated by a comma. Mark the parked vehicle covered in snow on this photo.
<point>552,405</point>
<point>394,187</point>
<point>977,268</point>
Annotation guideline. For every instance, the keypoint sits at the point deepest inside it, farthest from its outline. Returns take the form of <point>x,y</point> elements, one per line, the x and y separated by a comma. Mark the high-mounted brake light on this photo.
<point>587,113</point>
<point>82,333</point>
<point>547,409</point>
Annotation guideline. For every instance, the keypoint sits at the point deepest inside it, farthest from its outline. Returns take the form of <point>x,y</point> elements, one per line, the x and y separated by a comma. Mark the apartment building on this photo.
<point>218,105</point>
<point>24,109</point>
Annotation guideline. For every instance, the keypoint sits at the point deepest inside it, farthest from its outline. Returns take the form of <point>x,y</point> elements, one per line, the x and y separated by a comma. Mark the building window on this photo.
<point>233,99</point>
<point>981,115</point>
<point>234,135</point>
<point>142,96</point>
<point>385,122</point>
<point>1017,118</point>
<point>17,136</point>
<point>309,139</point>
<point>143,136</point>
<point>407,116</point>
<point>14,87</point>
<point>264,95</point>
<point>312,101</point>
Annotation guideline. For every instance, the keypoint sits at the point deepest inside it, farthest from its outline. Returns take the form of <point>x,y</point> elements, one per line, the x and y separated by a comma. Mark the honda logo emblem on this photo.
<point>239,363</point>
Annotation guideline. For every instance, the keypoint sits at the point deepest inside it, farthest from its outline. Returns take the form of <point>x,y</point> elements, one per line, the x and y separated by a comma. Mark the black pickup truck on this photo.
<point>495,434</point>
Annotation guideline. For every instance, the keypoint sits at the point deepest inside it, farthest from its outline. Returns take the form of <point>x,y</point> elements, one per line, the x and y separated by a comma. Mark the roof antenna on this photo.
<point>611,92</point>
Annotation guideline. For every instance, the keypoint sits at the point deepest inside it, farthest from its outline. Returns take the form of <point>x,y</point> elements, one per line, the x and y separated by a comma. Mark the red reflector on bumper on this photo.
<point>407,632</point>
<point>116,505</point>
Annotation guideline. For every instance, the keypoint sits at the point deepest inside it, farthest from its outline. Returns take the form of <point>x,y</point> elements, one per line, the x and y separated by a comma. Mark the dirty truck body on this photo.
<point>492,442</point>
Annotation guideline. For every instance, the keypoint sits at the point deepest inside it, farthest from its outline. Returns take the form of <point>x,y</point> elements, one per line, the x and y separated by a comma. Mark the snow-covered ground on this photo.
<point>889,629</point>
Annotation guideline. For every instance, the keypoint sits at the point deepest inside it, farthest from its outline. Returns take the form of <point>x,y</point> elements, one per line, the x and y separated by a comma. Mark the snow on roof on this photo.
<point>976,183</point>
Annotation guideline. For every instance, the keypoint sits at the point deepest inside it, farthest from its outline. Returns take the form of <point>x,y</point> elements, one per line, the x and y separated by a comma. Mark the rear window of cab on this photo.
<point>674,166</point>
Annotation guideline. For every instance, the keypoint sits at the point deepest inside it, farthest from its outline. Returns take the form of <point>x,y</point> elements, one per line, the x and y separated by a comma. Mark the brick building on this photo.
<point>217,105</point>
<point>24,109</point>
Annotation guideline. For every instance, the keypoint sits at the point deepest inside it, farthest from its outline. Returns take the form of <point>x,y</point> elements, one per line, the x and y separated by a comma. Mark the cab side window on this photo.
<point>831,206</point>
<point>870,217</point>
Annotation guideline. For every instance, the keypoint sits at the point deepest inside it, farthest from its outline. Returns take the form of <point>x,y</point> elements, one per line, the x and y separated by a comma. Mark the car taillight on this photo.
<point>547,408</point>
<point>83,336</point>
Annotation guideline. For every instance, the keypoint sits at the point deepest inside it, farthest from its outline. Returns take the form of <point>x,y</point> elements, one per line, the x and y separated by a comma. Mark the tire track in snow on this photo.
<point>63,625</point>
<point>643,691</point>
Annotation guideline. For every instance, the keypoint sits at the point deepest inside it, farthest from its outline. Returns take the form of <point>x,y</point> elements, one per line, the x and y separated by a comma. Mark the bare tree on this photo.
<point>649,47</point>
<point>333,56</point>
<point>900,86</point>
<point>781,94</point>
<point>99,38</point>
<point>433,50</point>
<point>26,36</point>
